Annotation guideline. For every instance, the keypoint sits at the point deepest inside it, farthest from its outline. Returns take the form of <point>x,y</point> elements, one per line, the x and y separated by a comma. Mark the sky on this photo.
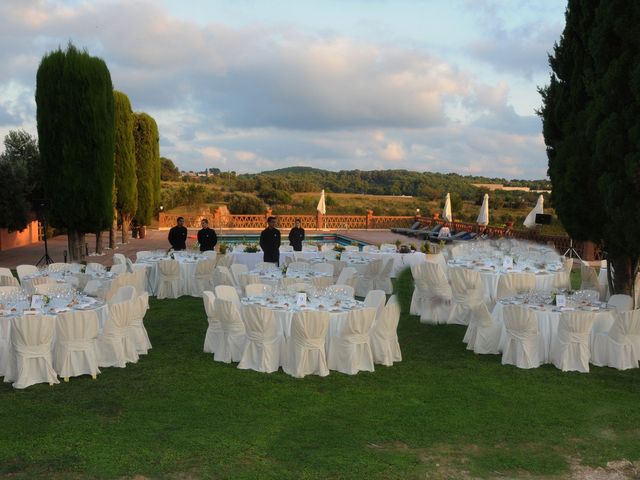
<point>255,85</point>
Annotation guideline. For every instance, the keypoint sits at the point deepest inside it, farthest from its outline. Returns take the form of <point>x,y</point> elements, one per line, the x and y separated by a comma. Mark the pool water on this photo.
<point>315,238</point>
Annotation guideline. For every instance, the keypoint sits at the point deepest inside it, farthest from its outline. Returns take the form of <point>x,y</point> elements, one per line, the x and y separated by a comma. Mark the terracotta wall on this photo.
<point>18,239</point>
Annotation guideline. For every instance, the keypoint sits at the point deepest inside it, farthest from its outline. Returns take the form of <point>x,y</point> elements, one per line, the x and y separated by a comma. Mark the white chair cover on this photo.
<point>115,349</point>
<point>25,270</point>
<point>306,345</point>
<point>570,350</point>
<point>142,254</point>
<point>266,266</point>
<point>118,268</point>
<point>119,259</point>
<point>370,248</point>
<point>257,289</point>
<point>522,345</point>
<point>383,279</point>
<point>621,301</point>
<point>234,337</point>
<point>138,279</point>
<point>59,267</point>
<point>136,333</point>
<point>562,280</point>
<point>222,276</point>
<point>351,248</point>
<point>74,352</point>
<point>299,266</point>
<point>326,268</point>
<point>5,272</point>
<point>9,290</point>
<point>94,288</point>
<point>265,340</point>
<point>375,299</point>
<point>348,276</point>
<point>383,335</point>
<point>350,351</point>
<point>620,347</point>
<point>95,267</point>
<point>214,336</point>
<point>30,361</point>
<point>226,292</point>
<point>467,294</point>
<point>9,281</point>
<point>211,255</point>
<point>366,280</point>
<point>237,269</point>
<point>168,279</point>
<point>432,293</point>
<point>439,259</point>
<point>483,334</point>
<point>203,277</point>
<point>511,284</point>
<point>225,260</point>
<point>590,279</point>
<point>125,293</point>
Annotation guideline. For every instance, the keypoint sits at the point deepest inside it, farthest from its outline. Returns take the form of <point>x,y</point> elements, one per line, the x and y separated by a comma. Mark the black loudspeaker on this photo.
<point>41,207</point>
<point>543,219</point>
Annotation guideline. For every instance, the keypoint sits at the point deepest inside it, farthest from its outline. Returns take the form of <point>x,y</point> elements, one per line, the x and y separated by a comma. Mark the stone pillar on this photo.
<point>319,220</point>
<point>369,219</point>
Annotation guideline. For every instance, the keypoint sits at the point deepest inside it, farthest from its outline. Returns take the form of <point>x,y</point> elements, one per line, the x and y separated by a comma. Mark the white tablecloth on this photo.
<point>548,318</point>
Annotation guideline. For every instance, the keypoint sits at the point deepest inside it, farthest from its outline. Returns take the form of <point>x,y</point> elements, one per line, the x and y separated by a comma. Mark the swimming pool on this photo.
<point>317,238</point>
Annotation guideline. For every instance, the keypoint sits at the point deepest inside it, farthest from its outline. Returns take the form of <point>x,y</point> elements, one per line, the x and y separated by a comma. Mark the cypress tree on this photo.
<point>126,183</point>
<point>145,133</point>
<point>75,114</point>
<point>591,126</point>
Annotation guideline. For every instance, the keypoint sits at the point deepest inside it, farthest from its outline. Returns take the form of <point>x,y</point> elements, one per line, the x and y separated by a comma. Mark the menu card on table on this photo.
<point>37,302</point>
<point>507,262</point>
<point>301,300</point>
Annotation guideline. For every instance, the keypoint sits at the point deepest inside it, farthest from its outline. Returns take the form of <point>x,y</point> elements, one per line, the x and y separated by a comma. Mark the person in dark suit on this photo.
<point>207,237</point>
<point>270,242</point>
<point>296,236</point>
<point>178,235</point>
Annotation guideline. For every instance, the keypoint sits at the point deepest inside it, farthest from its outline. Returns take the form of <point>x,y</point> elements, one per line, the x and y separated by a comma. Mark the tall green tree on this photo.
<point>126,182</point>
<point>145,133</point>
<point>591,125</point>
<point>168,170</point>
<point>20,179</point>
<point>74,97</point>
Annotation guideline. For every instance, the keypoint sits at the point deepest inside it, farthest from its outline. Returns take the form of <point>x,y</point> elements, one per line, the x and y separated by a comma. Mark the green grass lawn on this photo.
<point>440,412</point>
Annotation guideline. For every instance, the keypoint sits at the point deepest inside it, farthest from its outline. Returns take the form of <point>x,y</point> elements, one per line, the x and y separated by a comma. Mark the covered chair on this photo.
<point>222,276</point>
<point>383,335</point>
<point>467,294</point>
<point>125,293</point>
<point>257,289</point>
<point>59,267</point>
<point>119,259</point>
<point>383,279</point>
<point>227,292</point>
<point>590,279</point>
<point>483,334</point>
<point>136,333</point>
<point>5,272</point>
<point>621,302</point>
<point>30,360</point>
<point>115,348</point>
<point>118,268</point>
<point>168,279</point>
<point>25,271</point>
<point>234,337</point>
<point>9,281</point>
<point>570,350</point>
<point>213,338</point>
<point>210,254</point>
<point>620,347</point>
<point>238,270</point>
<point>51,289</point>
<point>224,260</point>
<point>562,279</point>
<point>432,294</point>
<point>324,267</point>
<point>74,352</point>
<point>9,289</point>
<point>512,284</point>
<point>142,254</point>
<point>367,279</point>
<point>95,267</point>
<point>266,266</point>
<point>305,353</point>
<point>522,347</point>
<point>375,299</point>
<point>348,276</point>
<point>265,340</point>
<point>203,279</point>
<point>350,351</point>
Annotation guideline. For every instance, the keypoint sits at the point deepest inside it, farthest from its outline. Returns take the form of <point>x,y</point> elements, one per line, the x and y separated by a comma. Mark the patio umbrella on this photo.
<point>446,211</point>
<point>530,221</point>
<point>322,208</point>
<point>483,216</point>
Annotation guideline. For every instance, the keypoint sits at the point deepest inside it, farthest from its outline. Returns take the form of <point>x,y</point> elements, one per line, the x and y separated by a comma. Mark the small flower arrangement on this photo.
<point>425,248</point>
<point>338,248</point>
<point>404,249</point>
<point>196,246</point>
<point>251,248</point>
<point>283,269</point>
<point>222,248</point>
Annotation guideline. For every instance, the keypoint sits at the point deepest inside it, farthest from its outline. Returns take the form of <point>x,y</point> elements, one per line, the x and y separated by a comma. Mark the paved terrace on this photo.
<point>157,239</point>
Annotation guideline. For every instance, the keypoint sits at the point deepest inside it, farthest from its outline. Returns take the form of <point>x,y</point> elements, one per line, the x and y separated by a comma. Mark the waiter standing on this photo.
<point>178,235</point>
<point>270,242</point>
<point>207,237</point>
<point>296,236</point>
